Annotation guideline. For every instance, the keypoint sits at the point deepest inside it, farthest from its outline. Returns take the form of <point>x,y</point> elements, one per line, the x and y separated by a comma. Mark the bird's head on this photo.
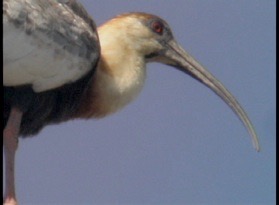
<point>151,37</point>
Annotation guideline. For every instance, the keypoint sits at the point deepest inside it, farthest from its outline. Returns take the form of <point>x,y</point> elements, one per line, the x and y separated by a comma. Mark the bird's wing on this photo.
<point>47,43</point>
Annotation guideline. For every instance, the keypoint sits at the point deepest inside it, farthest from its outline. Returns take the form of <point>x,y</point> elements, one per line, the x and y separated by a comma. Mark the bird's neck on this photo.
<point>118,79</point>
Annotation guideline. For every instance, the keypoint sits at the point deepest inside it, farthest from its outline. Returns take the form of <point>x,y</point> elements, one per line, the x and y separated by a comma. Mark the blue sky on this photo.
<point>177,143</point>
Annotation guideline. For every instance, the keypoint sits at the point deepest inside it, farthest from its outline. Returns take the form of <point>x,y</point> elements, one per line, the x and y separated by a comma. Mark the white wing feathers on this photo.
<point>46,44</point>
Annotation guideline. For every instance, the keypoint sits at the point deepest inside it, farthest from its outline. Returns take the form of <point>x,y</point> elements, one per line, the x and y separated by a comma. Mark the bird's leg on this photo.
<point>10,142</point>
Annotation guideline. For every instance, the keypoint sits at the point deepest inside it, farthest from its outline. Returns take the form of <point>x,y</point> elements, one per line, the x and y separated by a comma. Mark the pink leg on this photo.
<point>10,141</point>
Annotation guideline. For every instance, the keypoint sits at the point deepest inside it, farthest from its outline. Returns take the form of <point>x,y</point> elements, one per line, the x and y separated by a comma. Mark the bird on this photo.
<point>58,66</point>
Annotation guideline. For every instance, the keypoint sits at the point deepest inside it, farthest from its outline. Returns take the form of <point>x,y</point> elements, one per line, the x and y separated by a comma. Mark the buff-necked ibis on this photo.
<point>54,69</point>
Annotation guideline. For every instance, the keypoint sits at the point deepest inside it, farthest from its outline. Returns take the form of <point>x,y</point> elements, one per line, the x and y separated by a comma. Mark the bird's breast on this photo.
<point>112,90</point>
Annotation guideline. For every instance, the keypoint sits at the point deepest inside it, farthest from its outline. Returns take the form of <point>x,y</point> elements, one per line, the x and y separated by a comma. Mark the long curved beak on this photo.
<point>177,57</point>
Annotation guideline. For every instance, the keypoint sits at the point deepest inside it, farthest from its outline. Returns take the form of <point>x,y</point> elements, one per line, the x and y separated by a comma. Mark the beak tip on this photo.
<point>256,144</point>
<point>257,147</point>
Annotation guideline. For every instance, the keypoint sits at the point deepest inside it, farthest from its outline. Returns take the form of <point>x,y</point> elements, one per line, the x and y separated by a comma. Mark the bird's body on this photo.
<point>47,46</point>
<point>54,69</point>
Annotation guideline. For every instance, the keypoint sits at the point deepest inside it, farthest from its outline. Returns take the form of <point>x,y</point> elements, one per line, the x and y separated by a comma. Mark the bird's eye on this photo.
<point>157,27</point>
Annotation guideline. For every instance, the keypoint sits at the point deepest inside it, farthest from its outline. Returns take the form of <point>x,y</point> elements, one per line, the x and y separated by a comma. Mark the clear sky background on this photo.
<point>177,143</point>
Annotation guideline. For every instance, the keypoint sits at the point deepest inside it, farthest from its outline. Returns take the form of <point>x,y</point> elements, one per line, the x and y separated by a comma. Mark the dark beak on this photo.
<point>177,57</point>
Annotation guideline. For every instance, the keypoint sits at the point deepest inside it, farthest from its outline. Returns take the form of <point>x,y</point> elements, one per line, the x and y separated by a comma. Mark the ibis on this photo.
<point>59,66</point>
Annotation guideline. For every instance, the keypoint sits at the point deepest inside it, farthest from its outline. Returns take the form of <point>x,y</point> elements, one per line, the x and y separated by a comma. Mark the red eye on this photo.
<point>158,27</point>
